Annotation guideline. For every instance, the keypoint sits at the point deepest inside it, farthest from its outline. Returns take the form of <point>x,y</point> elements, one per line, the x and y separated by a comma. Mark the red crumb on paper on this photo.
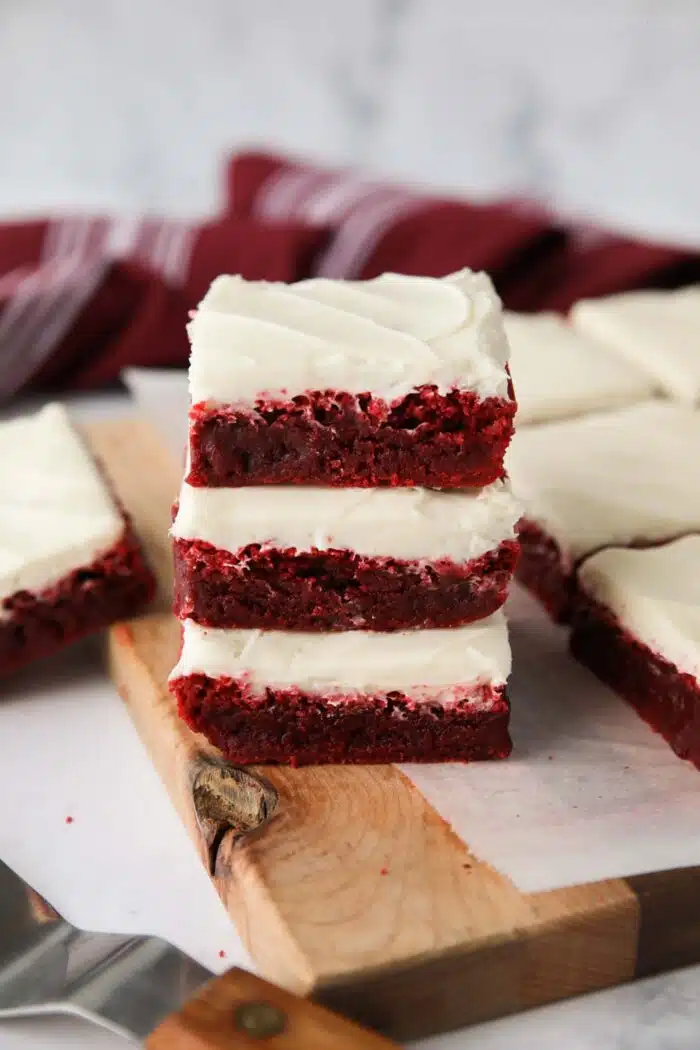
<point>69,820</point>
<point>222,954</point>
<point>384,871</point>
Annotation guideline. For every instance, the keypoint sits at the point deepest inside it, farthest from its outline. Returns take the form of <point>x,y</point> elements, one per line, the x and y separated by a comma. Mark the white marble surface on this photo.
<point>120,105</point>
<point>125,864</point>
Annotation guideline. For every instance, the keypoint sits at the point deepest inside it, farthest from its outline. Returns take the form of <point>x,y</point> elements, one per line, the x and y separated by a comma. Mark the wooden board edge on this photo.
<point>669,919</point>
<point>540,965</point>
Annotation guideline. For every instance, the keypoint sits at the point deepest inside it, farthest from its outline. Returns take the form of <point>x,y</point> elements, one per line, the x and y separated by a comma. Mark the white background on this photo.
<point>131,103</point>
<point>114,104</point>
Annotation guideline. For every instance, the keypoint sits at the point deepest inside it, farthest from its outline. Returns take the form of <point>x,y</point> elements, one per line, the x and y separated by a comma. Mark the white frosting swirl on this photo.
<point>387,336</point>
<point>611,478</point>
<point>658,332</point>
<point>559,372</point>
<point>382,522</point>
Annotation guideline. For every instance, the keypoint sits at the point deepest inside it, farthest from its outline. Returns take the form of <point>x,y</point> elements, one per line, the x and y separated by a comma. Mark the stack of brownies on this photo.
<point>345,534</point>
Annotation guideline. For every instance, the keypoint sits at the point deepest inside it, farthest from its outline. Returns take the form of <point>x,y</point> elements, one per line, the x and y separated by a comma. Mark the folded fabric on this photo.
<point>83,298</point>
<point>535,261</point>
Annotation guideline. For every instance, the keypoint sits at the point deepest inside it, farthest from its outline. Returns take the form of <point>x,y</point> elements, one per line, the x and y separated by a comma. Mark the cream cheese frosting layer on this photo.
<point>427,665</point>
<point>612,478</point>
<point>383,522</point>
<point>655,595</point>
<point>57,514</point>
<point>559,372</point>
<point>657,331</point>
<point>387,336</point>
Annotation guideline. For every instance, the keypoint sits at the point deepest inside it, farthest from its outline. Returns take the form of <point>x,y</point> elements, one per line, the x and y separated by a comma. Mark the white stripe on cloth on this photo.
<point>283,193</point>
<point>68,301</point>
<point>160,245</point>
<point>58,241</point>
<point>161,234</point>
<point>361,231</point>
<point>364,210</point>
<point>144,238</point>
<point>341,193</point>
<point>177,262</point>
<point>122,237</point>
<point>46,302</point>
<point>51,237</point>
<point>10,281</point>
<point>75,255</point>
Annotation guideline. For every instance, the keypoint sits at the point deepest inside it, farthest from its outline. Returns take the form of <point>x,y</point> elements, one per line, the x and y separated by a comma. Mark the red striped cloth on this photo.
<point>536,260</point>
<point>81,298</point>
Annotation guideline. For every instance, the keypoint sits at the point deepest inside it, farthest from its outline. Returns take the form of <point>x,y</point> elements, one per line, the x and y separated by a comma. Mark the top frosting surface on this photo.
<point>655,594</point>
<point>57,513</point>
<point>559,372</point>
<point>382,522</point>
<point>611,478</point>
<point>386,336</point>
<point>425,664</point>
<point>657,331</point>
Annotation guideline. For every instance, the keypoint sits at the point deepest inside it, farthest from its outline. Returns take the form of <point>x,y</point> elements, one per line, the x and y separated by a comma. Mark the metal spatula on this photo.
<point>147,990</point>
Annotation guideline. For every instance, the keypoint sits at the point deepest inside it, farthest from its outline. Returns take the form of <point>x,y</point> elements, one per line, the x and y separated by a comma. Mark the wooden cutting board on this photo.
<point>343,882</point>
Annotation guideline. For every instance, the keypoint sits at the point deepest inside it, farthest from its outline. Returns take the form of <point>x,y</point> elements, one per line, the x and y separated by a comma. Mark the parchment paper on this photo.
<point>590,791</point>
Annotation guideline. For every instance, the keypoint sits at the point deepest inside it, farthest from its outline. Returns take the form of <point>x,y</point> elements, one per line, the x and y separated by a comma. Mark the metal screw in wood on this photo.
<point>260,1020</point>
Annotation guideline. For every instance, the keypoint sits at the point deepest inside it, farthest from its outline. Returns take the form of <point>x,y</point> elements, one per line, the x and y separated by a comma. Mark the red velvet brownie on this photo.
<point>293,558</point>
<point>394,381</point>
<point>355,696</point>
<point>626,478</point>
<point>637,627</point>
<point>560,373</point>
<point>69,561</point>
<point>655,331</point>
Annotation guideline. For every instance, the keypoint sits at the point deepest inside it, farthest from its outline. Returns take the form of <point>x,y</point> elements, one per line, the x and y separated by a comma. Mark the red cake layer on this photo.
<point>291,727</point>
<point>427,439</point>
<point>335,590</point>
<point>546,573</point>
<point>36,623</point>
<point>666,698</point>
<point>542,569</point>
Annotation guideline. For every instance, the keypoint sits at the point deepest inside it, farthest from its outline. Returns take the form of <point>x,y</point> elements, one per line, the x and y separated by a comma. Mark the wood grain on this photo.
<point>239,1011</point>
<point>343,881</point>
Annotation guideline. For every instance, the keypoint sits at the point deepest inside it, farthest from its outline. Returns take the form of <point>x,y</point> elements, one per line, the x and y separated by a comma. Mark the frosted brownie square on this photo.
<point>625,478</point>
<point>637,627</point>
<point>395,381</point>
<point>355,696</point>
<point>296,558</point>
<point>70,563</point>
<point>656,331</point>
<point>559,372</point>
